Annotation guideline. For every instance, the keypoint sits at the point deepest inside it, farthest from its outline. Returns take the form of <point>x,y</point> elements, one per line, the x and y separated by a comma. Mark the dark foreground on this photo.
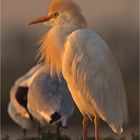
<point>51,136</point>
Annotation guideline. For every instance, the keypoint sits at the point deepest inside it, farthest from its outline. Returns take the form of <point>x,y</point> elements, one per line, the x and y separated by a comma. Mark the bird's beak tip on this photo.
<point>29,24</point>
<point>32,23</point>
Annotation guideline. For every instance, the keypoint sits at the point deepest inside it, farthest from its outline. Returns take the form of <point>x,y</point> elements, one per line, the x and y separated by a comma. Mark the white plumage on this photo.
<point>87,64</point>
<point>21,83</point>
<point>49,100</point>
<point>21,119</point>
<point>18,103</point>
<point>93,74</point>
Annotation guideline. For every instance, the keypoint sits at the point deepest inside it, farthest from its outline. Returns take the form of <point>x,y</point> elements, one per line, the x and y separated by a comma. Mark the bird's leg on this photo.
<point>47,130</point>
<point>40,131</point>
<point>57,131</point>
<point>85,119</point>
<point>24,133</point>
<point>96,123</point>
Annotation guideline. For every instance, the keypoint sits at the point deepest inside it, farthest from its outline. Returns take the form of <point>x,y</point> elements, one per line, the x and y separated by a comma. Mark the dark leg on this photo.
<point>40,131</point>
<point>96,123</point>
<point>85,119</point>
<point>57,131</point>
<point>24,132</point>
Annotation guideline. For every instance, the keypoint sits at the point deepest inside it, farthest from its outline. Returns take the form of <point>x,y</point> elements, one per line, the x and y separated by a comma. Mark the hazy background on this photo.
<point>115,21</point>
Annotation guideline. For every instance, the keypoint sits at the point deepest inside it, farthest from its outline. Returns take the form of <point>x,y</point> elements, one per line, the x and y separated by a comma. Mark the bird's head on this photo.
<point>62,12</point>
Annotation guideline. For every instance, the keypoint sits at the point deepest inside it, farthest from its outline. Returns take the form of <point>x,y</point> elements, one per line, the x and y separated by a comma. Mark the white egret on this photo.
<point>87,64</point>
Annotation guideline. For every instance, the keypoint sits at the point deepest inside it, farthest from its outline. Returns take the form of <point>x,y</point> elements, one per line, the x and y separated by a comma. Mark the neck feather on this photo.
<point>52,48</point>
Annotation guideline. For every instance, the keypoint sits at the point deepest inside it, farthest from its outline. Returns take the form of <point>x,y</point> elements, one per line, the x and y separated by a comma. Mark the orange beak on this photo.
<point>42,19</point>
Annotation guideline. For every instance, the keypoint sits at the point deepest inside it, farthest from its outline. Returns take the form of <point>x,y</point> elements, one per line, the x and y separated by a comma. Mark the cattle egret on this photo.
<point>87,64</point>
<point>49,100</point>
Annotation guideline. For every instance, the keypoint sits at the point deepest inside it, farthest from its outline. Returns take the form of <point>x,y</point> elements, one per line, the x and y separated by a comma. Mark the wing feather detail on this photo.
<point>94,77</point>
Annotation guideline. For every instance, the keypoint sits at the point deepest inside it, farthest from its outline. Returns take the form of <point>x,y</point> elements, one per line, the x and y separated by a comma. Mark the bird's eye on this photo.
<point>56,14</point>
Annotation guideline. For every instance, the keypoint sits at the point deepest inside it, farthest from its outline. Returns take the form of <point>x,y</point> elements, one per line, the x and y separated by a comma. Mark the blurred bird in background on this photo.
<point>39,97</point>
<point>17,107</point>
<point>87,64</point>
<point>49,100</point>
<point>22,118</point>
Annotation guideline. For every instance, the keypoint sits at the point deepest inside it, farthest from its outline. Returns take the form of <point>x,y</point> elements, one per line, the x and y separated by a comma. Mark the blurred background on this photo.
<point>115,21</point>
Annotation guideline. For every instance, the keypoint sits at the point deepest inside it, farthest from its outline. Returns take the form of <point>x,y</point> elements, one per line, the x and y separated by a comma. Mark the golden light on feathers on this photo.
<point>88,66</point>
<point>50,53</point>
<point>70,7</point>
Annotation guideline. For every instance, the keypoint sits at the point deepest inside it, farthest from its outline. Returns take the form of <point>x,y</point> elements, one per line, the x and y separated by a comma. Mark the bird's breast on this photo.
<point>52,48</point>
<point>82,103</point>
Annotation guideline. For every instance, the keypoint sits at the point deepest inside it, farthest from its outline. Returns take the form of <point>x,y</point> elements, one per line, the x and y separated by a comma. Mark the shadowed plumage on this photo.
<point>87,64</point>
<point>21,119</point>
<point>37,95</point>
<point>17,107</point>
<point>49,100</point>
